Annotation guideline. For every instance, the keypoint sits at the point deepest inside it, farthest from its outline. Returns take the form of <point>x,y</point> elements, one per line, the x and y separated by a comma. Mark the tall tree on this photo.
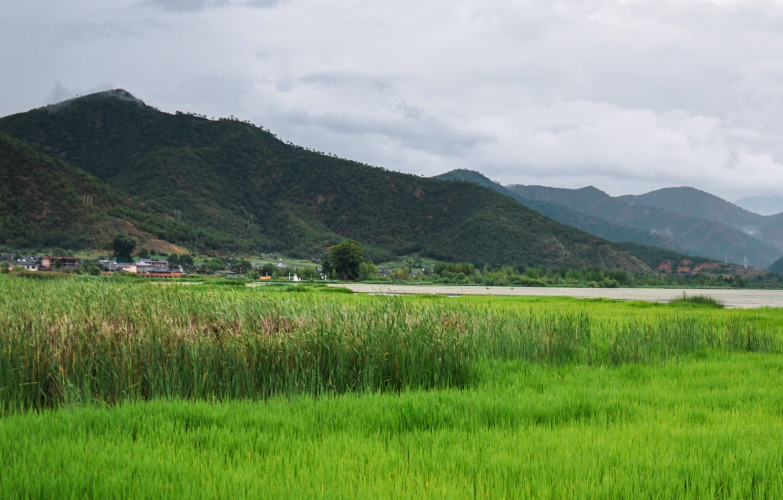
<point>123,246</point>
<point>346,258</point>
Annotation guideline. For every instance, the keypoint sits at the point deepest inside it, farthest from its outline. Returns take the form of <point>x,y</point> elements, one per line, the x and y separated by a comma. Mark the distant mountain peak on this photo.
<point>119,94</point>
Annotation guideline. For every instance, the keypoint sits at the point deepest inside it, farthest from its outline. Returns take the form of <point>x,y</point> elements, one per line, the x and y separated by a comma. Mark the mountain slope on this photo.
<point>696,203</point>
<point>776,267</point>
<point>667,261</point>
<point>693,235</point>
<point>47,203</point>
<point>594,225</point>
<point>237,179</point>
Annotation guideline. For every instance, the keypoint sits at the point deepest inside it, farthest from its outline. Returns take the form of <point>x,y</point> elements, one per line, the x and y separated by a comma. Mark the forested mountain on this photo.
<point>229,178</point>
<point>776,267</point>
<point>612,231</point>
<point>47,203</point>
<point>695,203</point>
<point>694,235</point>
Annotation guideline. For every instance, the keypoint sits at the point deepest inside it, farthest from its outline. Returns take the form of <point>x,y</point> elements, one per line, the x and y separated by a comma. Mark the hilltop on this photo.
<point>612,231</point>
<point>244,190</point>
<point>695,222</point>
<point>659,252</point>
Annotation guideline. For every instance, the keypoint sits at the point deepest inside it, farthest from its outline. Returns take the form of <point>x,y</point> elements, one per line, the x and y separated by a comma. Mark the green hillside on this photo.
<point>612,231</point>
<point>42,201</point>
<point>45,202</point>
<point>698,236</point>
<point>695,203</point>
<point>234,178</point>
<point>776,267</point>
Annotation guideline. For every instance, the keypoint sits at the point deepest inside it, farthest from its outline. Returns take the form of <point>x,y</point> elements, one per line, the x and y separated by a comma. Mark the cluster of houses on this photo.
<point>45,263</point>
<point>142,267</point>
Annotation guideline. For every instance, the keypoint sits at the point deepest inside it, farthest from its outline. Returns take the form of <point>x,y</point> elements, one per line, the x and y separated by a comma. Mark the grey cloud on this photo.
<point>425,134</point>
<point>92,31</point>
<point>337,79</point>
<point>627,96</point>
<point>201,5</point>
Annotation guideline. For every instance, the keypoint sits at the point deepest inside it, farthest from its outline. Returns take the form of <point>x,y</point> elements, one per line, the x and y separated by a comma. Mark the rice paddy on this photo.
<point>125,390</point>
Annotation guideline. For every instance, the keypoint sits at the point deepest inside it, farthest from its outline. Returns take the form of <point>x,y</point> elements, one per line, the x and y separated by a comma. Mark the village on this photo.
<point>157,267</point>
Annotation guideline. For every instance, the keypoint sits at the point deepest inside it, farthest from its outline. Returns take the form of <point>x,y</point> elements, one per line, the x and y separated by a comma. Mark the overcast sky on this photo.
<point>628,96</point>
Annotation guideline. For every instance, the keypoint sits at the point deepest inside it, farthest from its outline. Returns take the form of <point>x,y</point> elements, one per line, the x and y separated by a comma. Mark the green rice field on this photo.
<point>114,389</point>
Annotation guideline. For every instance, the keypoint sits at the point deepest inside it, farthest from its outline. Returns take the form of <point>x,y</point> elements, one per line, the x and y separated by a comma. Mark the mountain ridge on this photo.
<point>594,225</point>
<point>237,180</point>
<point>694,235</point>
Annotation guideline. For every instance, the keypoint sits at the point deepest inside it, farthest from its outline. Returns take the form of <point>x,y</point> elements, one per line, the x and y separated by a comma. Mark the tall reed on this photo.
<point>78,340</point>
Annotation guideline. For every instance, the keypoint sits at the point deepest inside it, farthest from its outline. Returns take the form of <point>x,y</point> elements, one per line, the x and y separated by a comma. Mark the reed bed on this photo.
<point>85,340</point>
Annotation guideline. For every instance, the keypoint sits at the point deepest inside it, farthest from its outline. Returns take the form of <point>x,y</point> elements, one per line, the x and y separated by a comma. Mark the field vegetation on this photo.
<point>115,388</point>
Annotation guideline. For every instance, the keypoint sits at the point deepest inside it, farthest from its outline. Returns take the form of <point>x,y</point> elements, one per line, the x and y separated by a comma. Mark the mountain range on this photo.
<point>229,186</point>
<point>697,222</point>
<point>682,219</point>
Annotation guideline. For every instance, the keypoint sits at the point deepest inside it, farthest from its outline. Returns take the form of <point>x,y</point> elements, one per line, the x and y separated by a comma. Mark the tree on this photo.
<point>346,258</point>
<point>367,270</point>
<point>173,259</point>
<point>143,253</point>
<point>123,246</point>
<point>90,267</point>
<point>242,266</point>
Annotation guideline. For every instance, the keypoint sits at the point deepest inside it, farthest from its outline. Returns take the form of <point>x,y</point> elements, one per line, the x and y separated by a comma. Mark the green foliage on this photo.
<point>239,189</point>
<point>123,247</point>
<point>776,267</point>
<point>230,341</point>
<point>186,261</point>
<point>700,300</point>
<point>463,268</point>
<point>143,253</point>
<point>346,259</point>
<point>268,269</point>
<point>694,221</point>
<point>602,227</point>
<point>690,430</point>
<point>90,267</point>
<point>367,270</point>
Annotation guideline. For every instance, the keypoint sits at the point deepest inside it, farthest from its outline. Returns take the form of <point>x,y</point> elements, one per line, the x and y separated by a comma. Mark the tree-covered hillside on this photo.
<point>612,231</point>
<point>45,202</point>
<point>234,178</point>
<point>776,267</point>
<point>698,236</point>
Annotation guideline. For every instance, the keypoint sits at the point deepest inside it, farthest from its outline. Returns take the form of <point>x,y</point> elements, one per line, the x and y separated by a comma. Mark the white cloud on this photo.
<point>625,95</point>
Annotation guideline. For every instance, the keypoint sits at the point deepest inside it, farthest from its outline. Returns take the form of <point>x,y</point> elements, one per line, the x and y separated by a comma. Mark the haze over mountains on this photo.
<point>683,219</point>
<point>762,205</point>
<point>239,188</point>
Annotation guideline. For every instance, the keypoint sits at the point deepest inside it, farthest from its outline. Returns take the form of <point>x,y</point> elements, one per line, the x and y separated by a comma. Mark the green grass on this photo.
<point>699,300</point>
<point>117,341</point>
<point>126,389</point>
<point>698,428</point>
